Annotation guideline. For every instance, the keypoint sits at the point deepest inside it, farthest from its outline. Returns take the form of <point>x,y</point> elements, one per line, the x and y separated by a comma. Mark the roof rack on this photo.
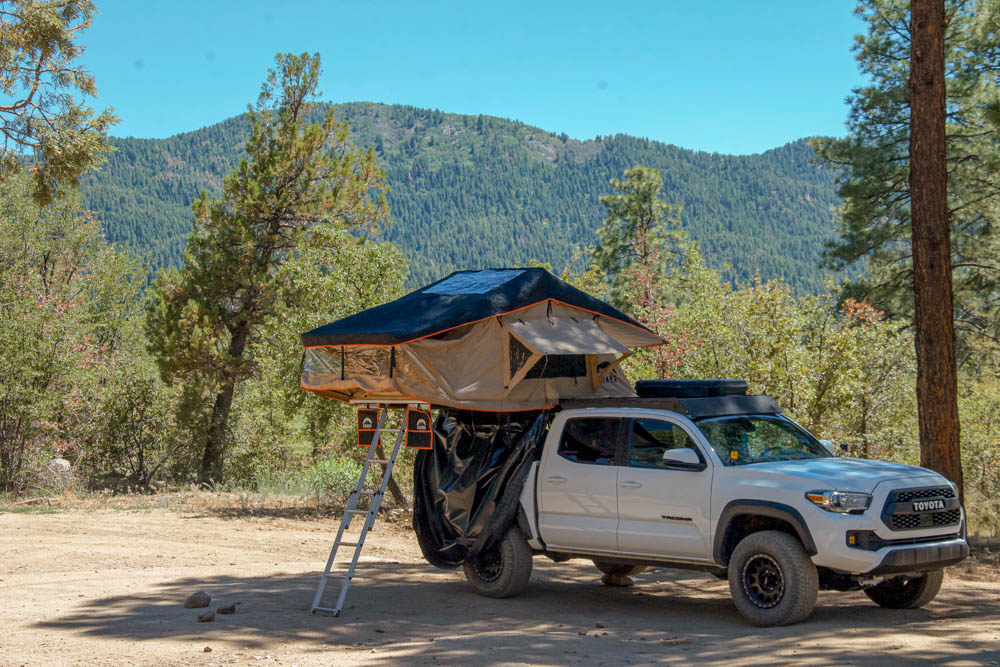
<point>694,408</point>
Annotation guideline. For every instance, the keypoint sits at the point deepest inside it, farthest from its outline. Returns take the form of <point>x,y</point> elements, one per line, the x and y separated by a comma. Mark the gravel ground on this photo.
<point>96,586</point>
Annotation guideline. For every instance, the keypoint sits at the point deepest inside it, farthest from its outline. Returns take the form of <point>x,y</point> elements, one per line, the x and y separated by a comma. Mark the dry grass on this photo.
<point>983,563</point>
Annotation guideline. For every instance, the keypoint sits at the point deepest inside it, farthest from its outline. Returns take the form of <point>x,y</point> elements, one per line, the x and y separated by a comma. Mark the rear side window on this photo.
<point>590,440</point>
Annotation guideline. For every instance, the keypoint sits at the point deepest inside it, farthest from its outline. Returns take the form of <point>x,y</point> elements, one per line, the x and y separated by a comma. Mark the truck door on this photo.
<point>663,508</point>
<point>577,486</point>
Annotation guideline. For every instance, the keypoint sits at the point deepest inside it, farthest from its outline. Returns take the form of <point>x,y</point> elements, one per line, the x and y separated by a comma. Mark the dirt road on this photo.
<point>95,587</point>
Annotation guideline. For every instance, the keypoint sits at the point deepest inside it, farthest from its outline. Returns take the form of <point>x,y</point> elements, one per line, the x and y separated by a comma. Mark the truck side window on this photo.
<point>651,438</point>
<point>590,440</point>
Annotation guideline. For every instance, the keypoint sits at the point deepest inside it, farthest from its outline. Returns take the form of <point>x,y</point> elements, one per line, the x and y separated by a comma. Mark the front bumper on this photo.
<point>879,549</point>
<point>922,557</point>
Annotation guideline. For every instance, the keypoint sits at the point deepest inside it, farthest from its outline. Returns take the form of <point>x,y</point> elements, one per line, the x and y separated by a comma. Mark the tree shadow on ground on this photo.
<point>415,614</point>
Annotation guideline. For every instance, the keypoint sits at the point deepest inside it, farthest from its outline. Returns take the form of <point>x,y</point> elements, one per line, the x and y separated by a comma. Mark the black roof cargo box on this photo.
<point>690,388</point>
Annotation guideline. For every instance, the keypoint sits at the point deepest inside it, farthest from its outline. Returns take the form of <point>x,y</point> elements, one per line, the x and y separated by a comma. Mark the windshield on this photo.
<point>744,439</point>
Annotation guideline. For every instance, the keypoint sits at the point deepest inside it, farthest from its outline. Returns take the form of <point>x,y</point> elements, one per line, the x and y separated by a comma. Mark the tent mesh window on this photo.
<point>559,366</point>
<point>368,361</point>
<point>324,361</point>
<point>519,355</point>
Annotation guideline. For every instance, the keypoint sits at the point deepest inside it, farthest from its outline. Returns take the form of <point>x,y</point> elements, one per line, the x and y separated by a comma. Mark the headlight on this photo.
<point>840,501</point>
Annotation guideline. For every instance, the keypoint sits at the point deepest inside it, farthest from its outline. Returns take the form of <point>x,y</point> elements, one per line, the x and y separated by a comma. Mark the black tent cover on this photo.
<point>466,490</point>
<point>461,298</point>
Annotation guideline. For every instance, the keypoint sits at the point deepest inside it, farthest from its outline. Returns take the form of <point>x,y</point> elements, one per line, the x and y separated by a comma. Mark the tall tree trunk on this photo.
<point>937,375</point>
<point>211,461</point>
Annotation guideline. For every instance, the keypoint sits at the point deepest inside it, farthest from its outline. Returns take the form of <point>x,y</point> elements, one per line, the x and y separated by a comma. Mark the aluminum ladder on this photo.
<point>351,511</point>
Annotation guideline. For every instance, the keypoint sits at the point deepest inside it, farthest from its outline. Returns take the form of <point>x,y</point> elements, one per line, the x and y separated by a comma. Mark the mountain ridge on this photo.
<point>477,191</point>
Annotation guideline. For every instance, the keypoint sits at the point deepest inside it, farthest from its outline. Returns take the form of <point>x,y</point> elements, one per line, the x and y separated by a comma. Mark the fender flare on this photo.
<point>766,508</point>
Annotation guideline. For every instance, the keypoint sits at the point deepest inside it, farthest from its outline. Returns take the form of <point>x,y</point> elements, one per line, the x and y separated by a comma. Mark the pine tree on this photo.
<point>638,226</point>
<point>874,220</point>
<point>300,182</point>
<point>937,374</point>
<point>40,77</point>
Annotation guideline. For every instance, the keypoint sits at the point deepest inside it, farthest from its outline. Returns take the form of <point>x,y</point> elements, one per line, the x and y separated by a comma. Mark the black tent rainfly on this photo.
<point>493,350</point>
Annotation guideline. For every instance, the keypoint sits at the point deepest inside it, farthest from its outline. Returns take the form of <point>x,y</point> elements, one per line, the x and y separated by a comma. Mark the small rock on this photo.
<point>207,617</point>
<point>231,609</point>
<point>207,649</point>
<point>619,580</point>
<point>198,600</point>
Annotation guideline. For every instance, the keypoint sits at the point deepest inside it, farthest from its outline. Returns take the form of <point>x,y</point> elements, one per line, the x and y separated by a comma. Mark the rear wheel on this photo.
<point>772,579</point>
<point>618,569</point>
<point>503,569</point>
<point>907,592</point>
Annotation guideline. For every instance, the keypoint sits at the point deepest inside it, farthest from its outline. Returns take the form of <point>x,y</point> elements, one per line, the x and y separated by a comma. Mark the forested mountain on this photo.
<point>480,191</point>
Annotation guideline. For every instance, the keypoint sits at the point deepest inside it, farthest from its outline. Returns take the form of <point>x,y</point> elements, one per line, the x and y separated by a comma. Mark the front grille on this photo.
<point>947,518</point>
<point>917,494</point>
<point>898,513</point>
<point>904,521</point>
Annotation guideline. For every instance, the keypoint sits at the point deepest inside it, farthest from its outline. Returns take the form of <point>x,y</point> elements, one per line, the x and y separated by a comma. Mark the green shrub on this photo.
<point>331,479</point>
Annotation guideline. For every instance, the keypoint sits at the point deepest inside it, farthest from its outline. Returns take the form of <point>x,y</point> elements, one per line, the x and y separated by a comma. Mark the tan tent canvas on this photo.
<point>499,339</point>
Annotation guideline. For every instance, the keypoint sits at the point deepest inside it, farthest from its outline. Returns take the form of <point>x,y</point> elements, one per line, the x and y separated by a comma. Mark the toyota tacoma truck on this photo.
<point>698,475</point>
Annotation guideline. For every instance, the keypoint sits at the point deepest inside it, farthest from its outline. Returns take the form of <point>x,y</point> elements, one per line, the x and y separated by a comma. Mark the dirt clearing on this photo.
<point>100,586</point>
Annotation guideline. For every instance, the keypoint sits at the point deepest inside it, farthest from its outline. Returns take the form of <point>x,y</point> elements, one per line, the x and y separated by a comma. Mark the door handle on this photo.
<point>555,479</point>
<point>630,485</point>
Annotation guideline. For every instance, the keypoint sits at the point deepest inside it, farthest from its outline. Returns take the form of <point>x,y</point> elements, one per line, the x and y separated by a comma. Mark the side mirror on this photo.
<point>829,446</point>
<point>684,457</point>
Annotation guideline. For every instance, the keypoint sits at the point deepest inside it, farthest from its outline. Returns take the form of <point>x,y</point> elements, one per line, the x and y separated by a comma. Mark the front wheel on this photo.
<point>502,569</point>
<point>772,579</point>
<point>907,592</point>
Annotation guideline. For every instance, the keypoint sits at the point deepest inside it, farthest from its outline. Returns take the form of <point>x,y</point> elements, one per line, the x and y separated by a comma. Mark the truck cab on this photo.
<point>703,477</point>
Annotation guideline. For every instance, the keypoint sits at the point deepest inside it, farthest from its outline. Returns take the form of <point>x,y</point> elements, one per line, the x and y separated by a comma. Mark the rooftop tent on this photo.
<point>497,339</point>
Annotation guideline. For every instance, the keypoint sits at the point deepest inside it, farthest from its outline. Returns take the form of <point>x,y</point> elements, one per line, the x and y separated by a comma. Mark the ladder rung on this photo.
<point>327,610</point>
<point>380,461</point>
<point>370,492</point>
<point>349,544</point>
<point>356,512</point>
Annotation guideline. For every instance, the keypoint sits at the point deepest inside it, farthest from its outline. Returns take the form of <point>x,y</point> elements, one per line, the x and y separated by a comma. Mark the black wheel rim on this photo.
<point>489,563</point>
<point>763,581</point>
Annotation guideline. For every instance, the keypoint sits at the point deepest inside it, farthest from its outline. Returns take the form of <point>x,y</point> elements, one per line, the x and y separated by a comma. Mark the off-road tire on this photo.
<point>617,569</point>
<point>502,570</point>
<point>772,580</point>
<point>907,592</point>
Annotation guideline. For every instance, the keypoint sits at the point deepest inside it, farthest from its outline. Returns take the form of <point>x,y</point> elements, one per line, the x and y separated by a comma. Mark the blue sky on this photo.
<point>714,75</point>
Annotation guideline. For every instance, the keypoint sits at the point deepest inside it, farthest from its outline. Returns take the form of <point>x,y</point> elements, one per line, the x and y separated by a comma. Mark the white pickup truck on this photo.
<point>693,475</point>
